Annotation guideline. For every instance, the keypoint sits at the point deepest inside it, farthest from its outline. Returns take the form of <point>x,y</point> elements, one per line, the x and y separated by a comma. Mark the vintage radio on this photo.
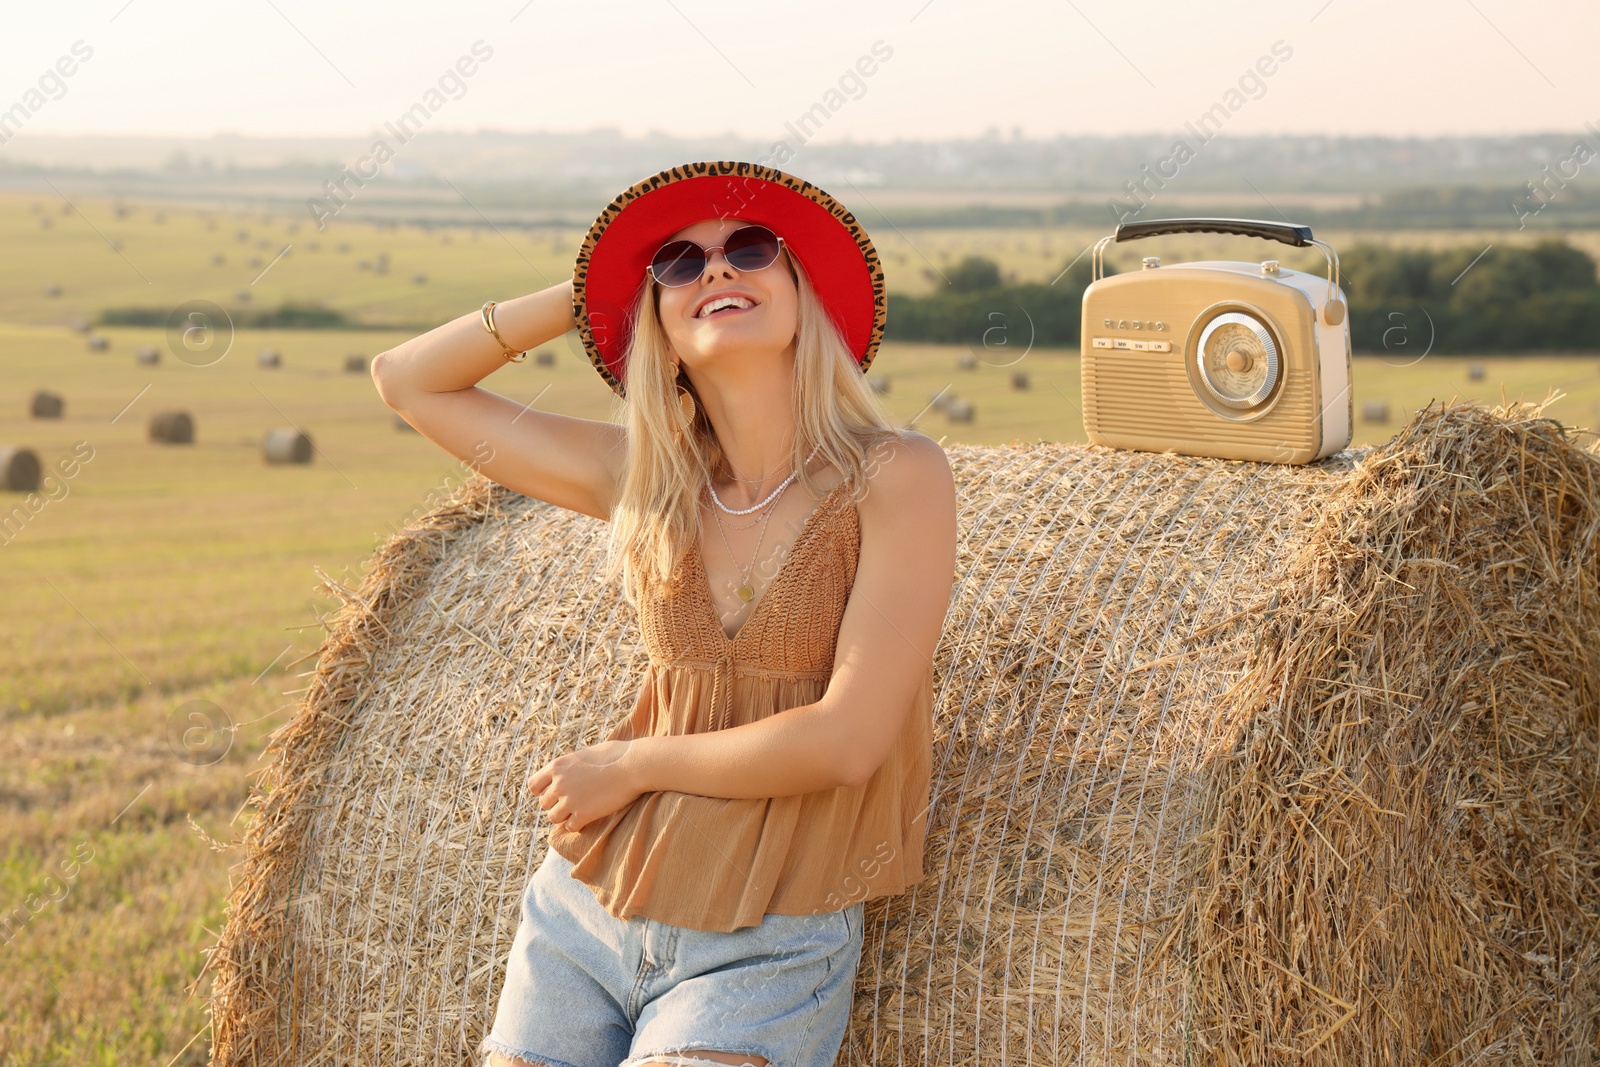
<point>1216,358</point>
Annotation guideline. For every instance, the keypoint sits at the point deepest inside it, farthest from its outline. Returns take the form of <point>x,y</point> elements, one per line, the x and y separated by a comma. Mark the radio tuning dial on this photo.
<point>1238,360</point>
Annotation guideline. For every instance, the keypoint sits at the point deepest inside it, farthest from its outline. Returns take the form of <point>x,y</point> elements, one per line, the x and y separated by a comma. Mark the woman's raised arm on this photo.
<point>432,380</point>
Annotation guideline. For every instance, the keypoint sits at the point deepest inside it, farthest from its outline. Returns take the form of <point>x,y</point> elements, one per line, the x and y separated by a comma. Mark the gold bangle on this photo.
<point>488,324</point>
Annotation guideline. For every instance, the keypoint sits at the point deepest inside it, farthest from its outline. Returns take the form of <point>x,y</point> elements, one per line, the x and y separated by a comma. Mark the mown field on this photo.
<point>159,576</point>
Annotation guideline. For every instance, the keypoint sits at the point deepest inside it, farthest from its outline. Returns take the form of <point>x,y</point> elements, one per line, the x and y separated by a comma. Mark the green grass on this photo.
<point>168,573</point>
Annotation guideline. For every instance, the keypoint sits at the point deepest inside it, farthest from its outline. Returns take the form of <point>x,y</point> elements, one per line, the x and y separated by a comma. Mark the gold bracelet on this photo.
<point>488,324</point>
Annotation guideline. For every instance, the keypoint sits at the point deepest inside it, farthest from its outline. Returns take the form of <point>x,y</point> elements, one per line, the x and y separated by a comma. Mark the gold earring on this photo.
<point>685,400</point>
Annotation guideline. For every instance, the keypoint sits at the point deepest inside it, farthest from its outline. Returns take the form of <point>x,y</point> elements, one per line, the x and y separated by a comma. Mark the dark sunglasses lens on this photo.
<point>752,248</point>
<point>678,263</point>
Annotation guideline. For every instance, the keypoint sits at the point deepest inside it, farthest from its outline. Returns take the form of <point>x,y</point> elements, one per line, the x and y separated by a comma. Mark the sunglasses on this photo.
<point>746,249</point>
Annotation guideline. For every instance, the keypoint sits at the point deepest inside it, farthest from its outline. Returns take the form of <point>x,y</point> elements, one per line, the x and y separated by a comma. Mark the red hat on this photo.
<point>835,250</point>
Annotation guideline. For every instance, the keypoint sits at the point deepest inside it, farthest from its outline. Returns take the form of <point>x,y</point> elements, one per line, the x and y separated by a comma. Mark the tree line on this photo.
<point>1505,298</point>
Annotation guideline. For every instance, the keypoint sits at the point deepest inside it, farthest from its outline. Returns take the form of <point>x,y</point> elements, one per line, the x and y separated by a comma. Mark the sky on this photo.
<point>883,69</point>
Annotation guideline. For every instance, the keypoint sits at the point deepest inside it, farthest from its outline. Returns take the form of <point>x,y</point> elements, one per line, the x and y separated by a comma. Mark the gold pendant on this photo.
<point>745,592</point>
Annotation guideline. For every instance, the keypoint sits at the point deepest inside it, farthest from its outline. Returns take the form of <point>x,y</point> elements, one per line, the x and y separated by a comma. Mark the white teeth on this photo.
<point>725,301</point>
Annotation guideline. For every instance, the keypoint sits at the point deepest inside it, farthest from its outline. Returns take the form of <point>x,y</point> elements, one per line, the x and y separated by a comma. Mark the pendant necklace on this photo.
<point>746,591</point>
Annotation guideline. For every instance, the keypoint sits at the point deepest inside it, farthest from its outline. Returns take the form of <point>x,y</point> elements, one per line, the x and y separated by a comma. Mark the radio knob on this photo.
<point>1269,266</point>
<point>1151,262</point>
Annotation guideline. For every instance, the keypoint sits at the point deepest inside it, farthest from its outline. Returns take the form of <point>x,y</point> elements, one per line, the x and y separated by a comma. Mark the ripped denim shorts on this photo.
<point>586,989</point>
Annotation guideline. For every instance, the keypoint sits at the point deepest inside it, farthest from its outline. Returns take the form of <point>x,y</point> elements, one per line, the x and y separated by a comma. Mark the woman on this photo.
<point>788,551</point>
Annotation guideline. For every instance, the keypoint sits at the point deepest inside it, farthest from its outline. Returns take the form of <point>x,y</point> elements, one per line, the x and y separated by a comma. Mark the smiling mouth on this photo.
<point>730,306</point>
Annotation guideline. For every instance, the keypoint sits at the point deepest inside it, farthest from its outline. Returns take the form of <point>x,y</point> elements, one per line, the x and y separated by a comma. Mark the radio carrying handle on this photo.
<point>1288,233</point>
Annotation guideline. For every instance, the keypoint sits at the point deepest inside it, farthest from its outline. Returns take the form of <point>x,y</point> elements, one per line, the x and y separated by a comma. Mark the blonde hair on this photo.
<point>656,515</point>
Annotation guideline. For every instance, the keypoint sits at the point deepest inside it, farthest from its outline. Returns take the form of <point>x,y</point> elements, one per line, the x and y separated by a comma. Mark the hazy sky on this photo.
<point>942,67</point>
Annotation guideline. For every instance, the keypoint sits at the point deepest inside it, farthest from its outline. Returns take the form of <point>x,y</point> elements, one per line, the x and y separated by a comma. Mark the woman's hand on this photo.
<point>579,787</point>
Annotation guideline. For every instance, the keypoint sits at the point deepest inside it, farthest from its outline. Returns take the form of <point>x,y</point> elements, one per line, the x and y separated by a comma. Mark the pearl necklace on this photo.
<point>770,496</point>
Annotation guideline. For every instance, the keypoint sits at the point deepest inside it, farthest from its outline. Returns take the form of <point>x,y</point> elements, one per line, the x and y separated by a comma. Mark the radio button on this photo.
<point>1122,342</point>
<point>1102,342</point>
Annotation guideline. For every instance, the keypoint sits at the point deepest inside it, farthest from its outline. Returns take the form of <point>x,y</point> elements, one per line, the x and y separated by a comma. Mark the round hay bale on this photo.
<point>82,325</point>
<point>1019,380</point>
<point>879,384</point>
<point>52,290</point>
<point>270,357</point>
<point>1234,763</point>
<point>355,363</point>
<point>1374,411</point>
<point>47,405</point>
<point>1475,371</point>
<point>959,410</point>
<point>148,354</point>
<point>172,428</point>
<point>285,444</point>
<point>19,469</point>
<point>545,358</point>
<point>99,343</point>
<point>967,361</point>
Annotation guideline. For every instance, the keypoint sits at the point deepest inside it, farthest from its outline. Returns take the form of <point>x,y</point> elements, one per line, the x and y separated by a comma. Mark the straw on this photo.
<point>1234,763</point>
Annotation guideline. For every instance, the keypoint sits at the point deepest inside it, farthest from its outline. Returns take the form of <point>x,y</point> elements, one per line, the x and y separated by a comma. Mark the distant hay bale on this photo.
<point>1234,763</point>
<point>545,358</point>
<point>270,357</point>
<point>967,361</point>
<point>52,290</point>
<point>1019,380</point>
<point>1475,371</point>
<point>1374,411</point>
<point>959,410</point>
<point>148,354</point>
<point>879,383</point>
<point>47,405</point>
<point>172,428</point>
<point>285,444</point>
<point>98,343</point>
<point>19,469</point>
<point>355,363</point>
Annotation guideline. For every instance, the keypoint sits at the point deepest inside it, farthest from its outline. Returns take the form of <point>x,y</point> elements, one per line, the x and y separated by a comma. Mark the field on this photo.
<point>165,575</point>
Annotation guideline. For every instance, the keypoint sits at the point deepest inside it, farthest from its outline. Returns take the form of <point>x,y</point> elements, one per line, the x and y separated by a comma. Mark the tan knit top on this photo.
<point>720,863</point>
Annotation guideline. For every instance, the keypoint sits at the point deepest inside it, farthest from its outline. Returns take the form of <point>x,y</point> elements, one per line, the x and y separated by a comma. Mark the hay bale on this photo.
<point>1374,411</point>
<point>1475,371</point>
<point>1019,380</point>
<point>545,358</point>
<point>19,469</point>
<point>149,355</point>
<point>959,410</point>
<point>879,384</point>
<point>967,361</point>
<point>47,405</point>
<point>99,343</point>
<point>355,363</point>
<point>172,428</point>
<point>270,357</point>
<point>285,444</point>
<point>1234,763</point>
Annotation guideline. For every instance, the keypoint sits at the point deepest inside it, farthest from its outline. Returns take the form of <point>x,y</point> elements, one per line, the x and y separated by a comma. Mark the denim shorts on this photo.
<point>586,989</point>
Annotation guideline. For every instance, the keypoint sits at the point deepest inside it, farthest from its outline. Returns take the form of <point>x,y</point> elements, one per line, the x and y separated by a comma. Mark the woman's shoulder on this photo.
<point>909,464</point>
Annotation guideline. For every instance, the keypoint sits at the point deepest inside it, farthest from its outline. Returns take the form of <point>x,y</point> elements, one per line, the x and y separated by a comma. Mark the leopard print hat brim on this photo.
<point>830,244</point>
